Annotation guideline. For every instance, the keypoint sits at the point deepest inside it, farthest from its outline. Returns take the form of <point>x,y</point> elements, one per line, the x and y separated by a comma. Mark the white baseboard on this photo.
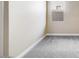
<point>28,49</point>
<point>57,34</point>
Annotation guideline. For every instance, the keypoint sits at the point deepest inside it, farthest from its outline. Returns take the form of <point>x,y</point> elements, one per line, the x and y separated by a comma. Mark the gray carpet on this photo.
<point>56,47</point>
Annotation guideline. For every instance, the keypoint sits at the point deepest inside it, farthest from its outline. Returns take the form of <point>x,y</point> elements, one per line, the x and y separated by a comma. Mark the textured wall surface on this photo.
<point>71,17</point>
<point>26,25</point>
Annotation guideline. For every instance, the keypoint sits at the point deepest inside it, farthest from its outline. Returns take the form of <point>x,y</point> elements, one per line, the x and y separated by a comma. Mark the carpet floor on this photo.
<point>56,47</point>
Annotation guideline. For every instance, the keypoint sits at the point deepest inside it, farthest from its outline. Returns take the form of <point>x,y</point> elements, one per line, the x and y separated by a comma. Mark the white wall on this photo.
<point>26,25</point>
<point>71,18</point>
<point>1,29</point>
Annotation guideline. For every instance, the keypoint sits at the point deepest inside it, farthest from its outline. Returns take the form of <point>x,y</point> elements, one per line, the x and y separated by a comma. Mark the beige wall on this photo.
<point>1,28</point>
<point>26,25</point>
<point>71,18</point>
<point>6,29</point>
